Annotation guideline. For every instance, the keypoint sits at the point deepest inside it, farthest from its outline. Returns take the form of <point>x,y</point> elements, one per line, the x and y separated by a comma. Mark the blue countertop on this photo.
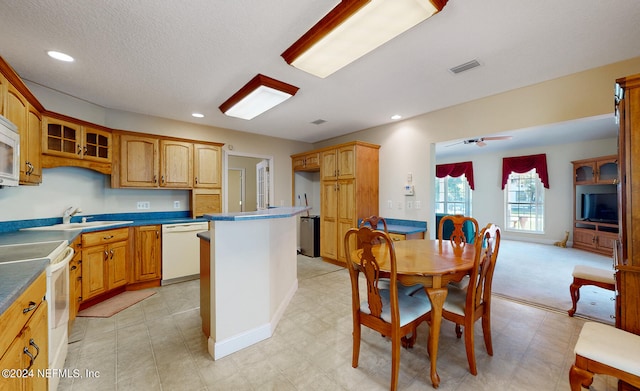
<point>271,213</point>
<point>15,278</point>
<point>405,227</point>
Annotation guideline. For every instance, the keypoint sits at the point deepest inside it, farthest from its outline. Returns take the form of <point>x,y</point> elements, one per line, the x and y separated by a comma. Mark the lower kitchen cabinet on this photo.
<point>147,260</point>
<point>75,282</point>
<point>104,261</point>
<point>27,350</point>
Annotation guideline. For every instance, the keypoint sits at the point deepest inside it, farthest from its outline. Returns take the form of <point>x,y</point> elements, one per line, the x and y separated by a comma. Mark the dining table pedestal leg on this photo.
<point>437,297</point>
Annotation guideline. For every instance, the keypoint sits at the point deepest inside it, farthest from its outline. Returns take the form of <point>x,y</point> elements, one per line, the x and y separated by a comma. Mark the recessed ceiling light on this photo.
<point>197,115</point>
<point>60,56</point>
<point>397,116</point>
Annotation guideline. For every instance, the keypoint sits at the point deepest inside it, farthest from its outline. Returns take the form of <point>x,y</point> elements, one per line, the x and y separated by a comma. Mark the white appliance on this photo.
<point>181,251</point>
<point>9,153</point>
<point>57,295</point>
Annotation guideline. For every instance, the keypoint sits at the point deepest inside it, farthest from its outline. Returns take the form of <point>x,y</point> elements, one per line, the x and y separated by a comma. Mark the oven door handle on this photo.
<point>63,261</point>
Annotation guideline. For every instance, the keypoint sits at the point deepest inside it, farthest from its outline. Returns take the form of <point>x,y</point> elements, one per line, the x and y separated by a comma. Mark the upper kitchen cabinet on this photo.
<point>70,142</point>
<point>207,166</point>
<point>3,92</point>
<point>338,163</point>
<point>601,170</point>
<point>139,161</point>
<point>176,164</point>
<point>308,161</point>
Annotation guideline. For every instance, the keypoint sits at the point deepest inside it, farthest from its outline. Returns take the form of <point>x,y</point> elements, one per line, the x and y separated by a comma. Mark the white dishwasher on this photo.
<point>181,251</point>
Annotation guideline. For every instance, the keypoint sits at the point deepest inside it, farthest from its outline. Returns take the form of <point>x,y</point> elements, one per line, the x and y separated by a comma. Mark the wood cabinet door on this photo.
<point>148,253</point>
<point>12,359</point>
<point>207,166</point>
<point>346,213</point>
<point>30,149</point>
<point>329,166</point>
<point>93,271</point>
<point>96,144</point>
<point>62,138</point>
<point>329,220</point>
<point>584,238</point>
<point>35,339</point>
<point>3,93</point>
<point>607,171</point>
<point>117,264</point>
<point>347,162</point>
<point>584,173</point>
<point>176,167</point>
<point>139,161</point>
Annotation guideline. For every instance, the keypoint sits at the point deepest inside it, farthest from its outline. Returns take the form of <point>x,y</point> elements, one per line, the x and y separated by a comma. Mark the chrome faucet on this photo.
<point>70,211</point>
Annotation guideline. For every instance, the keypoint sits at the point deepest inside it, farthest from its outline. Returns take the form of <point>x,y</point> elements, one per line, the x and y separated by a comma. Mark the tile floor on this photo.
<point>158,344</point>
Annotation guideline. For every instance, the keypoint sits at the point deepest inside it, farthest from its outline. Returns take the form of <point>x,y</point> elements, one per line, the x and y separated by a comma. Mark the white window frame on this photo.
<point>446,203</point>
<point>523,206</point>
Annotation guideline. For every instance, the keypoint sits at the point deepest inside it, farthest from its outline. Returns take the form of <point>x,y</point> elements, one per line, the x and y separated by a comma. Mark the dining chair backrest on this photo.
<point>458,239</point>
<point>487,246</point>
<point>373,222</point>
<point>368,265</point>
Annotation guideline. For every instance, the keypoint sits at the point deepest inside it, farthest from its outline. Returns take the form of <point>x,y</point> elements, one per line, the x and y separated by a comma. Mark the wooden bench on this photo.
<point>587,275</point>
<point>605,350</point>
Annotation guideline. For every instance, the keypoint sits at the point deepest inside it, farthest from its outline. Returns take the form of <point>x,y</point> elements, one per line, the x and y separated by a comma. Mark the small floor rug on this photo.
<point>115,304</point>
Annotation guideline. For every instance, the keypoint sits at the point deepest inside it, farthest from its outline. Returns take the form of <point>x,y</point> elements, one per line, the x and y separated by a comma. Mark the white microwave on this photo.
<point>9,153</point>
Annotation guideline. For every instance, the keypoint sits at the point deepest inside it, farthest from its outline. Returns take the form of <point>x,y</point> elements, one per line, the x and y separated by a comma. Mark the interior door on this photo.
<point>235,192</point>
<point>262,178</point>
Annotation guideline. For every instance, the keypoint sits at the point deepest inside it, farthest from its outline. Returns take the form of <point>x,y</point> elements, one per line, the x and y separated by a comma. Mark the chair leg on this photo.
<point>395,362</point>
<point>574,289</point>
<point>486,332</point>
<point>469,345</point>
<point>356,345</point>
<point>579,378</point>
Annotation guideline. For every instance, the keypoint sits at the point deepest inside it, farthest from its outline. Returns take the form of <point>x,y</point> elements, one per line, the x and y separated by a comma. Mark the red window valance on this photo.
<point>455,170</point>
<point>522,164</point>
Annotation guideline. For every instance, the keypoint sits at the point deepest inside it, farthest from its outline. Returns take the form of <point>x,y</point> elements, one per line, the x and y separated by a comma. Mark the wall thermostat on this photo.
<point>408,190</point>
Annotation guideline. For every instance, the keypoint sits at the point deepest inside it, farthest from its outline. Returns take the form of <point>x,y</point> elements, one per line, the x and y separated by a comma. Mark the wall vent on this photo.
<point>465,67</point>
<point>318,122</point>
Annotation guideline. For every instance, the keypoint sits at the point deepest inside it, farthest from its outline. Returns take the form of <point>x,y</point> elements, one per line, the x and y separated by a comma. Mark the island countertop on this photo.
<point>271,213</point>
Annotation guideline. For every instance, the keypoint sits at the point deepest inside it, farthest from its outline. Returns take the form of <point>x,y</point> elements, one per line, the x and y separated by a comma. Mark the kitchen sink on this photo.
<point>72,226</point>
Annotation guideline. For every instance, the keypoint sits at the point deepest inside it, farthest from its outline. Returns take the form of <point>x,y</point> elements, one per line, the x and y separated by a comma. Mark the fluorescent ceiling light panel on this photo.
<point>257,96</point>
<point>354,28</point>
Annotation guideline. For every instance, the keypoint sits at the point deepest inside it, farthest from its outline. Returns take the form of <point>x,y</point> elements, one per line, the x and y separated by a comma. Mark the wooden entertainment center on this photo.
<point>600,176</point>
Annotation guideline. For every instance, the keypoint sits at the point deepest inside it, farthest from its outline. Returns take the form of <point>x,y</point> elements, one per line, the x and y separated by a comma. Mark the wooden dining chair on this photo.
<point>465,306</point>
<point>383,310</point>
<point>457,238</point>
<point>373,222</point>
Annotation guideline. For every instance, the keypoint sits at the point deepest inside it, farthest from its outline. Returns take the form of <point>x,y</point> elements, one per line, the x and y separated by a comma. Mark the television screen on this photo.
<point>600,207</point>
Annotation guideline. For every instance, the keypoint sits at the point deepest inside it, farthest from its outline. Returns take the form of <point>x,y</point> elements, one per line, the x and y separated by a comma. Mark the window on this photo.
<point>524,202</point>
<point>453,195</point>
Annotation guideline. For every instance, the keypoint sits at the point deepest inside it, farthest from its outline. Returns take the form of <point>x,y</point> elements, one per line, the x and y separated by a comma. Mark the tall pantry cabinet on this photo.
<point>349,191</point>
<point>628,254</point>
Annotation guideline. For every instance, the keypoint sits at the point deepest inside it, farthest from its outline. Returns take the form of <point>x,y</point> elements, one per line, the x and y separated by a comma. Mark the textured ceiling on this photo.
<point>172,58</point>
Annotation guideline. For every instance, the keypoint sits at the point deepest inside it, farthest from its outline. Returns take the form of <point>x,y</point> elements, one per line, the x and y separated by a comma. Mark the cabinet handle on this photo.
<point>32,306</point>
<point>79,149</point>
<point>74,267</point>
<point>196,180</point>
<point>112,252</point>
<point>31,358</point>
<point>106,255</point>
<point>155,179</point>
<point>107,237</point>
<point>33,343</point>
<point>157,234</point>
<point>86,149</point>
<point>162,179</point>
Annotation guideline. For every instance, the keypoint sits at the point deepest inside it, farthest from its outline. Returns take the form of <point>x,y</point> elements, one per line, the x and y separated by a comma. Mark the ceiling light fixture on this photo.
<point>354,28</point>
<point>396,116</point>
<point>197,115</point>
<point>257,96</point>
<point>60,56</point>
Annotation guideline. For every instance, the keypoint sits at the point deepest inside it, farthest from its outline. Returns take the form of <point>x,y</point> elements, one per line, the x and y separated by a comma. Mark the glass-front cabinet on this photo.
<point>602,170</point>
<point>71,140</point>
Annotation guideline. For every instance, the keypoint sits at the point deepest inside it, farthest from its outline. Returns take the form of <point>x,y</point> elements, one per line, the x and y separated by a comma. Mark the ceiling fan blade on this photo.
<point>497,138</point>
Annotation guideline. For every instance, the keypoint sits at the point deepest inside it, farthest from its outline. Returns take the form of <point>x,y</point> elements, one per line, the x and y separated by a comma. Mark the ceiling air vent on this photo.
<point>465,67</point>
<point>318,122</point>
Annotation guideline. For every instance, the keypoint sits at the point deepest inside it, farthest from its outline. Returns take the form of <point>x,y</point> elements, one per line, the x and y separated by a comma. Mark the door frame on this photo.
<point>242,186</point>
<point>225,164</point>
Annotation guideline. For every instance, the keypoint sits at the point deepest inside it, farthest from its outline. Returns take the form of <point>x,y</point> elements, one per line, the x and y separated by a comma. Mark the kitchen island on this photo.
<point>248,276</point>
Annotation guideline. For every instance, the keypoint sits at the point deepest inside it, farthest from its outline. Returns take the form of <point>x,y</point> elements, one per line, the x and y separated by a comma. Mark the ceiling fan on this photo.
<point>480,141</point>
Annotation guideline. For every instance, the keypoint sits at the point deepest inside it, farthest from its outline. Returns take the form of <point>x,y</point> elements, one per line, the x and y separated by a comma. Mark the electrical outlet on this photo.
<point>417,204</point>
<point>143,205</point>
<point>390,204</point>
<point>176,204</point>
<point>409,205</point>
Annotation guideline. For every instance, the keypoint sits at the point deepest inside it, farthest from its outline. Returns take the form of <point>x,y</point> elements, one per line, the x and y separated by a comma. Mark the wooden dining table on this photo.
<point>432,264</point>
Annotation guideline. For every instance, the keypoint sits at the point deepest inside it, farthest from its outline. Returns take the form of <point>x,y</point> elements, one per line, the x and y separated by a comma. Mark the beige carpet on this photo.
<point>540,275</point>
<point>115,304</point>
